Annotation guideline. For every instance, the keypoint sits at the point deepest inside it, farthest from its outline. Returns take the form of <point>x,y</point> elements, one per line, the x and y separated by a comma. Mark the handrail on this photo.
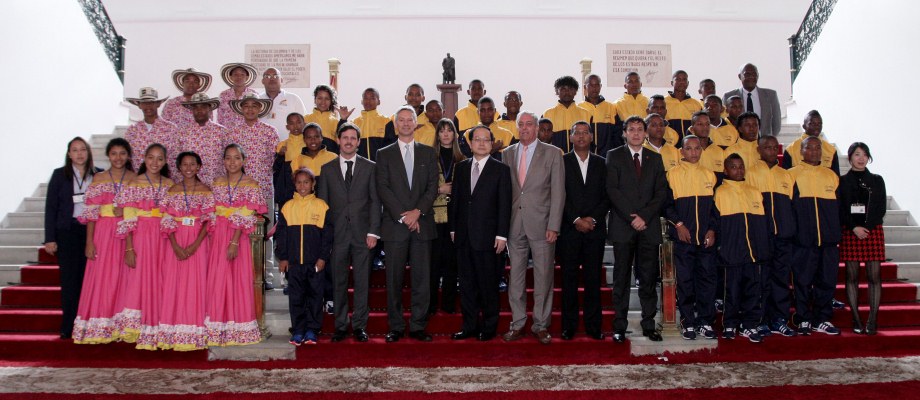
<point>668,282</point>
<point>257,243</point>
<point>112,43</point>
<point>801,43</point>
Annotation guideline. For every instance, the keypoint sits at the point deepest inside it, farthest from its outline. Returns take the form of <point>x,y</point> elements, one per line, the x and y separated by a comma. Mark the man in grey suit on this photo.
<point>538,198</point>
<point>348,186</point>
<point>637,186</point>
<point>761,101</point>
<point>407,183</point>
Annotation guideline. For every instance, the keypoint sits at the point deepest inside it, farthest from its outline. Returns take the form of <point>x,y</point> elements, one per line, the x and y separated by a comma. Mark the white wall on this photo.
<point>523,53</point>
<point>860,76</point>
<point>59,84</point>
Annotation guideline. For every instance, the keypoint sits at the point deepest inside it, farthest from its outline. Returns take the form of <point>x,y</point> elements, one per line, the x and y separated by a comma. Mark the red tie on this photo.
<point>638,165</point>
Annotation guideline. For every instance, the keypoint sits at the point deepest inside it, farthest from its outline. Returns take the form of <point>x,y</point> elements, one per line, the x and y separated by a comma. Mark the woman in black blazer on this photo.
<point>863,201</point>
<point>64,235</point>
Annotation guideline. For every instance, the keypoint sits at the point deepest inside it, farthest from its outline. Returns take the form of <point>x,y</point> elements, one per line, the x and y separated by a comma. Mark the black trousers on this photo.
<point>742,296</point>
<point>478,289</point>
<point>815,279</point>
<point>71,256</point>
<point>776,280</point>
<point>418,254</point>
<point>305,297</point>
<point>588,253</point>
<point>696,283</point>
<point>443,271</point>
<point>646,254</point>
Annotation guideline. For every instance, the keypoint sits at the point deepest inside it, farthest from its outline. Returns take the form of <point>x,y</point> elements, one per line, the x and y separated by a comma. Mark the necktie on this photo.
<point>407,161</point>
<point>522,166</point>
<point>474,177</point>
<point>348,173</point>
<point>638,165</point>
<point>750,103</point>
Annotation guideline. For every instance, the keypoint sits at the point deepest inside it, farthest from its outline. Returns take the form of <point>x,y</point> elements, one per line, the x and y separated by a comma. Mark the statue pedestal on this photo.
<point>449,99</point>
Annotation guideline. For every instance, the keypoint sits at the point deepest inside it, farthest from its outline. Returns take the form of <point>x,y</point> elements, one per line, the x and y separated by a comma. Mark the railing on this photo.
<point>668,283</point>
<point>801,43</point>
<point>257,243</point>
<point>112,43</point>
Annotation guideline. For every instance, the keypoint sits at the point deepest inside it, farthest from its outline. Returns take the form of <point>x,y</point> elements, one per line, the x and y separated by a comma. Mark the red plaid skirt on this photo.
<point>871,248</point>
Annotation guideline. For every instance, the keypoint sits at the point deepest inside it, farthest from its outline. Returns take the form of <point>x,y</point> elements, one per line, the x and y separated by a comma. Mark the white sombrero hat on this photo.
<point>179,75</point>
<point>201,98</point>
<point>146,95</point>
<point>236,105</point>
<point>228,68</point>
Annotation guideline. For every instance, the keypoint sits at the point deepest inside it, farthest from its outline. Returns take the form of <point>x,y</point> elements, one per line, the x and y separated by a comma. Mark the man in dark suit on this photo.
<point>581,242</point>
<point>348,187</point>
<point>407,183</point>
<point>637,188</point>
<point>480,217</point>
<point>759,100</point>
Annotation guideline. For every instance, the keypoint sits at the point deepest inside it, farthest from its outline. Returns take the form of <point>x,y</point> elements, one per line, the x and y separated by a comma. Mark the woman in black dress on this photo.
<point>863,201</point>
<point>444,254</point>
<point>64,235</point>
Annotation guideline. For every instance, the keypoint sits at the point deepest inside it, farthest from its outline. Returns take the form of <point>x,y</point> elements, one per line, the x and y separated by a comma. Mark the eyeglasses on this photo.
<point>271,76</point>
<point>482,140</point>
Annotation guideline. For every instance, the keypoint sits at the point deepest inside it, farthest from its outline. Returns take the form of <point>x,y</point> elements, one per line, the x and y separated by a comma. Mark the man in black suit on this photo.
<point>349,189</point>
<point>480,218</point>
<point>407,183</point>
<point>637,188</point>
<point>584,231</point>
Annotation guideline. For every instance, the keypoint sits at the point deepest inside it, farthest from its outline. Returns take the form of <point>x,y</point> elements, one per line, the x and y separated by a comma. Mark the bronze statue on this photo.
<point>449,73</point>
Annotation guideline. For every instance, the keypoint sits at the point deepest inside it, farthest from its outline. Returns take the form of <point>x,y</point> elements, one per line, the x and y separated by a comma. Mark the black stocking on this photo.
<point>873,272</point>
<point>852,288</point>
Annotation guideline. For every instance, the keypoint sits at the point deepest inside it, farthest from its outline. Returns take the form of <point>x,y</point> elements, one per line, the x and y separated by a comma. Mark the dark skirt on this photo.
<point>871,248</point>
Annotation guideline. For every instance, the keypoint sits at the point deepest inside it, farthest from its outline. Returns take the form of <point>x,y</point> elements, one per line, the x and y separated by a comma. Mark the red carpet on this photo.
<point>864,391</point>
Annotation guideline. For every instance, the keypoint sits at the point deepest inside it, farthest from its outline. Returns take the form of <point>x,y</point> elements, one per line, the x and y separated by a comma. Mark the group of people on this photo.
<point>162,235</point>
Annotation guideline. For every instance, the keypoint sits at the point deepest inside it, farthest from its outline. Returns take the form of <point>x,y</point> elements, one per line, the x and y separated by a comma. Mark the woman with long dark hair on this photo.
<point>141,289</point>
<point>231,316</point>
<point>444,253</point>
<point>863,201</point>
<point>65,236</point>
<point>105,252</point>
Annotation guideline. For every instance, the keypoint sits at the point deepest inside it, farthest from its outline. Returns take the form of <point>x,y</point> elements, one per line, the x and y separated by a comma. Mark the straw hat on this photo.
<point>227,68</point>
<point>266,104</point>
<point>201,98</point>
<point>146,95</point>
<point>179,75</point>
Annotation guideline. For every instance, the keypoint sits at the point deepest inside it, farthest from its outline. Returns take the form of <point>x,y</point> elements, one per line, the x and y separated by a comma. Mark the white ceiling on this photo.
<point>209,10</point>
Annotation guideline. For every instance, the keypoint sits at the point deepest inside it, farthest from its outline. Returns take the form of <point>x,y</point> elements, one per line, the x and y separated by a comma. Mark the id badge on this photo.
<point>188,221</point>
<point>857,208</point>
<point>78,198</point>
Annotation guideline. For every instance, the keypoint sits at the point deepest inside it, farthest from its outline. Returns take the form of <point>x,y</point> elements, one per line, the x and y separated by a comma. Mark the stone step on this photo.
<point>909,271</point>
<point>902,234</point>
<point>9,274</point>
<point>22,236</point>
<point>898,218</point>
<point>30,219</point>
<point>900,253</point>
<point>32,204</point>
<point>18,255</point>
<point>41,190</point>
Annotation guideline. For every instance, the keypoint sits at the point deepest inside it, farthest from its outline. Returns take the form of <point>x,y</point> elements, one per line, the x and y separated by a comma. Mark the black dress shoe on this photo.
<point>596,335</point>
<point>485,337</point>
<point>360,335</point>
<point>393,336</point>
<point>619,336</point>
<point>421,336</point>
<point>652,335</point>
<point>339,336</point>
<point>463,335</point>
<point>568,334</point>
